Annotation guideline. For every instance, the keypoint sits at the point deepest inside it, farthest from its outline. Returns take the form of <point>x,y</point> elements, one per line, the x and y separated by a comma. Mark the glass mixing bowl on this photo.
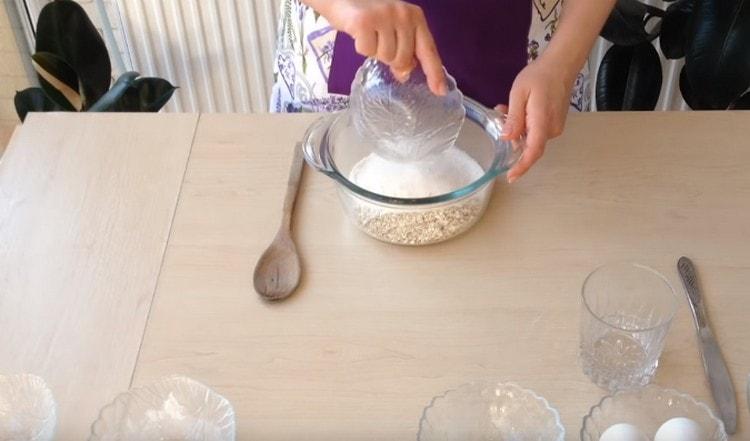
<point>332,145</point>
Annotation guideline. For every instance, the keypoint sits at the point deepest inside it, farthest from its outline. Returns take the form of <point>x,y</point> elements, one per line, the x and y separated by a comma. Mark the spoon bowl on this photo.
<point>278,271</point>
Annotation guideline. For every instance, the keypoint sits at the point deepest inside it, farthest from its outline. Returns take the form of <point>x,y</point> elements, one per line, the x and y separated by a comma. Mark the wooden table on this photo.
<point>127,244</point>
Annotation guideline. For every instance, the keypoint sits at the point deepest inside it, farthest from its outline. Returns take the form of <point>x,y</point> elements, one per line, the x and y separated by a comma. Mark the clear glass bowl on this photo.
<point>405,120</point>
<point>174,408</point>
<point>490,412</point>
<point>333,146</point>
<point>648,408</point>
<point>27,409</point>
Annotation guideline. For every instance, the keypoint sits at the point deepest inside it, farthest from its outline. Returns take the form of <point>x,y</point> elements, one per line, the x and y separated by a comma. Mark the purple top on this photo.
<point>484,55</point>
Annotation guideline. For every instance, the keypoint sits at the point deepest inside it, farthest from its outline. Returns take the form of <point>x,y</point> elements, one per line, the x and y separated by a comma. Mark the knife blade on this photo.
<point>714,365</point>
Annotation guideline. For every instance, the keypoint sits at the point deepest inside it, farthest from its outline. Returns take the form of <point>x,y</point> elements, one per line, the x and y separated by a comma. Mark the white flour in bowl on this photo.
<point>448,171</point>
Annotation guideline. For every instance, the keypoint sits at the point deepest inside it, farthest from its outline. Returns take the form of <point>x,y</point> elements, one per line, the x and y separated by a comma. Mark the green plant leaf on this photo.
<point>674,28</point>
<point>145,95</point>
<point>717,51</point>
<point>629,78</point>
<point>742,103</point>
<point>687,92</point>
<point>65,30</point>
<point>58,80</point>
<point>33,99</point>
<point>115,93</point>
<point>627,24</point>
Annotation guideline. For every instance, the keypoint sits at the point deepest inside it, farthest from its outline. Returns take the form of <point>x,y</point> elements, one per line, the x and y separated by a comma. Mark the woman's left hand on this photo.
<point>539,103</point>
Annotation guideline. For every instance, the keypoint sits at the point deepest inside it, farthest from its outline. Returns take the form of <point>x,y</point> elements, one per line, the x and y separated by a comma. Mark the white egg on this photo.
<point>623,432</point>
<point>680,429</point>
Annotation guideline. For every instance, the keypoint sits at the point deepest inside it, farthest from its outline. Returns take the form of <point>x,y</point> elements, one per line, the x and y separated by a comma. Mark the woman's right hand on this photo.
<point>393,31</point>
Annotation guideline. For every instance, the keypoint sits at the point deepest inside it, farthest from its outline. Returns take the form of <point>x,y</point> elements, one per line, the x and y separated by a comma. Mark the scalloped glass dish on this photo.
<point>490,412</point>
<point>648,408</point>
<point>27,409</point>
<point>404,120</point>
<point>173,408</point>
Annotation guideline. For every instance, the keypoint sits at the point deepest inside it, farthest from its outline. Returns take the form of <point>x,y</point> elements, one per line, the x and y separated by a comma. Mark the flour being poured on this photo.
<point>443,173</point>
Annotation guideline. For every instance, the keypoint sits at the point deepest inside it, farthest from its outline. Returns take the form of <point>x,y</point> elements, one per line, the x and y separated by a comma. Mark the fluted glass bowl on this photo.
<point>404,121</point>
<point>173,408</point>
<point>648,408</point>
<point>490,412</point>
<point>333,147</point>
<point>27,409</point>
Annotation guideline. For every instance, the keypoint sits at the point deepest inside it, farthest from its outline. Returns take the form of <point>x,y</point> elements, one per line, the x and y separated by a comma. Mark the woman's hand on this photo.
<point>539,103</point>
<point>539,99</point>
<point>393,31</point>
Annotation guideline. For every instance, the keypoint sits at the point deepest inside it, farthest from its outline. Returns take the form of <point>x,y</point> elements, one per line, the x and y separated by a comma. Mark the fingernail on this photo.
<point>402,75</point>
<point>507,128</point>
<point>512,179</point>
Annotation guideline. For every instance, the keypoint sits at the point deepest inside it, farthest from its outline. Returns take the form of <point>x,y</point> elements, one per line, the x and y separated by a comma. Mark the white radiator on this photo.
<point>219,52</point>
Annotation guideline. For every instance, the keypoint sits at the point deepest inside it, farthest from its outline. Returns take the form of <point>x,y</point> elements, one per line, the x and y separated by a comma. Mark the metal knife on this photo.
<point>713,362</point>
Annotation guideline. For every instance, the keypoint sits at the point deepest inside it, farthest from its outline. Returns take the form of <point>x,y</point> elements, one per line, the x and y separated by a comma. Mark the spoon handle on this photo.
<point>295,177</point>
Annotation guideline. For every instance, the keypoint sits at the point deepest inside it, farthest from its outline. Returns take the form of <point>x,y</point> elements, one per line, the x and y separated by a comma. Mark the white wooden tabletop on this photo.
<point>86,204</point>
<point>375,330</point>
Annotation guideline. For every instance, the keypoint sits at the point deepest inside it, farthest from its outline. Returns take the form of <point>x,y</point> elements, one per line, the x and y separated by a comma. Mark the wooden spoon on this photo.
<point>278,270</point>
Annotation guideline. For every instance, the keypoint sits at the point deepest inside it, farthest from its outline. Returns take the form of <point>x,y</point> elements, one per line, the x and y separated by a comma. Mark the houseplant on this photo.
<point>713,37</point>
<point>74,70</point>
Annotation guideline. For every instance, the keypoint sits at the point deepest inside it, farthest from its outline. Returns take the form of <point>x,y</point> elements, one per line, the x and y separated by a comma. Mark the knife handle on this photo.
<point>713,362</point>
<point>719,379</point>
<point>690,280</point>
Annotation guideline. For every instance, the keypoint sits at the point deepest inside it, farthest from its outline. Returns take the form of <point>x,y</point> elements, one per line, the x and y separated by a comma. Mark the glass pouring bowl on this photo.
<point>406,121</point>
<point>333,146</point>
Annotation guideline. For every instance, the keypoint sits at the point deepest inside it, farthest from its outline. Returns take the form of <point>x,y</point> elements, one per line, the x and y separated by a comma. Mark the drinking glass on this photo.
<point>626,312</point>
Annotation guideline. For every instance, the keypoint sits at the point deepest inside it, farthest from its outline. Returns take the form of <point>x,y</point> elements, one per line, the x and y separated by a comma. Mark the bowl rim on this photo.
<point>122,396</point>
<point>683,395</point>
<point>489,120</point>
<point>488,383</point>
